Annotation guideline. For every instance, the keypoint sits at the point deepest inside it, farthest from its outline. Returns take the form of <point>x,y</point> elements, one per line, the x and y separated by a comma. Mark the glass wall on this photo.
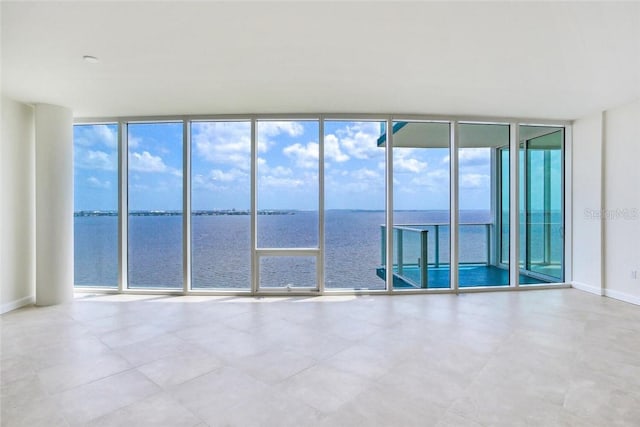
<point>287,162</point>
<point>354,185</point>
<point>95,151</point>
<point>421,205</point>
<point>287,272</point>
<point>483,204</point>
<point>221,205</point>
<point>542,212</point>
<point>155,205</point>
<point>504,193</point>
<point>280,172</point>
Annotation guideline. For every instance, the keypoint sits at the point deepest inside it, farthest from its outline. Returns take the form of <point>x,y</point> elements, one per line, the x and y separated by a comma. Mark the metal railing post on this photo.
<point>437,246</point>
<point>488,228</point>
<point>424,272</point>
<point>399,252</point>
<point>383,245</point>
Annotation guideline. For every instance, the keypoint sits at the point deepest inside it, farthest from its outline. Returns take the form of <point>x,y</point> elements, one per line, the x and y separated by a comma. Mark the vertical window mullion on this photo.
<point>320,257</point>
<point>389,205</point>
<point>254,206</point>
<point>453,210</point>
<point>186,205</point>
<point>514,190</point>
<point>123,206</point>
<point>566,203</point>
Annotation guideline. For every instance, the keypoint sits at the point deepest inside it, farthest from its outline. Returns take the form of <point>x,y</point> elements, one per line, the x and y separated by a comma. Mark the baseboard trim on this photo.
<point>12,305</point>
<point>587,288</point>
<point>622,296</point>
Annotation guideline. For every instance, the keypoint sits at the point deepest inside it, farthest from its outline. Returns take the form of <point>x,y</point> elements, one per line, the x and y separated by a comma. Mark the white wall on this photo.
<point>17,221</point>
<point>622,202</point>
<point>606,203</point>
<point>587,203</point>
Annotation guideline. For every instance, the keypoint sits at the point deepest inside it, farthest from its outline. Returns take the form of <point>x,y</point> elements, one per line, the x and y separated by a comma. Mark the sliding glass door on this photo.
<point>483,204</point>
<point>541,208</point>
<point>421,197</point>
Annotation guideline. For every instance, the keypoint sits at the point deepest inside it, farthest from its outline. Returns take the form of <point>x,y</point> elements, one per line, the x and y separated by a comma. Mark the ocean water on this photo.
<point>221,256</point>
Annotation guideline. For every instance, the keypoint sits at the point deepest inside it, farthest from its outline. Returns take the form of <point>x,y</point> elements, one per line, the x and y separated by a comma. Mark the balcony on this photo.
<point>421,257</point>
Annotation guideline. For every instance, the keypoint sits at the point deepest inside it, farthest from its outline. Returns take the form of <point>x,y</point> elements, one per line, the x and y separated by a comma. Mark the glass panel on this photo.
<point>287,196</point>
<point>504,187</point>
<point>421,202</point>
<point>544,210</point>
<point>288,272</point>
<point>220,205</point>
<point>95,205</point>
<point>480,206</point>
<point>355,204</point>
<point>522,206</point>
<point>155,205</point>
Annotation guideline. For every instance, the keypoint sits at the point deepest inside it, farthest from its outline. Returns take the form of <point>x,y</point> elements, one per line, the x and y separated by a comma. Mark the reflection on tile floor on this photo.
<point>548,357</point>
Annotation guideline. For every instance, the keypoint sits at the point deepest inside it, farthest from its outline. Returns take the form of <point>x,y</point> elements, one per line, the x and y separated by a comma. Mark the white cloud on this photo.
<point>223,143</point>
<point>360,140</point>
<point>96,183</point>
<point>273,128</point>
<point>353,184</point>
<point>405,161</point>
<point>332,149</point>
<point>146,162</point>
<point>265,169</point>
<point>218,175</point>
<point>474,180</point>
<point>266,130</point>
<point>202,182</point>
<point>133,141</point>
<point>280,182</point>
<point>228,176</point>
<point>90,159</point>
<point>282,177</point>
<point>304,156</point>
<point>365,174</point>
<point>409,165</point>
<point>107,135</point>
<point>218,179</point>
<point>89,135</point>
<point>472,157</point>
<point>433,180</point>
<point>348,184</point>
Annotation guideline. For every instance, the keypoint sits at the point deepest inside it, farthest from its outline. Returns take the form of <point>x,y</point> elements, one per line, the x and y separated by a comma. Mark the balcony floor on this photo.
<point>470,275</point>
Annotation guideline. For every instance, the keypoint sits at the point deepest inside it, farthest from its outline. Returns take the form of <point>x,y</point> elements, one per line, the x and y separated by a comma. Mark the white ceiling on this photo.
<point>544,60</point>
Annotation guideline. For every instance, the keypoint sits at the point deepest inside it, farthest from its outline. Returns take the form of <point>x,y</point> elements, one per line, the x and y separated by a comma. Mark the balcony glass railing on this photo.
<point>419,248</point>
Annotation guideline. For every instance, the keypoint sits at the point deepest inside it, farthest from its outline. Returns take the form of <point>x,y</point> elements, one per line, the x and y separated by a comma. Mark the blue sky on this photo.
<point>287,164</point>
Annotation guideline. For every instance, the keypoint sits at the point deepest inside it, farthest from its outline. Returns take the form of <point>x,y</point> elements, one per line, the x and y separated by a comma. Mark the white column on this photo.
<point>54,204</point>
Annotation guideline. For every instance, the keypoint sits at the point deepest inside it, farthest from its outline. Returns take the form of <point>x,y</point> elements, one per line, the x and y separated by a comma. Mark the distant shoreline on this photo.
<point>232,212</point>
<point>179,213</point>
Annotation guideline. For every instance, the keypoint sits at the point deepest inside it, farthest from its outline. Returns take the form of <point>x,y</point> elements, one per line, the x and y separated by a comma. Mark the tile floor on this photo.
<point>536,358</point>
